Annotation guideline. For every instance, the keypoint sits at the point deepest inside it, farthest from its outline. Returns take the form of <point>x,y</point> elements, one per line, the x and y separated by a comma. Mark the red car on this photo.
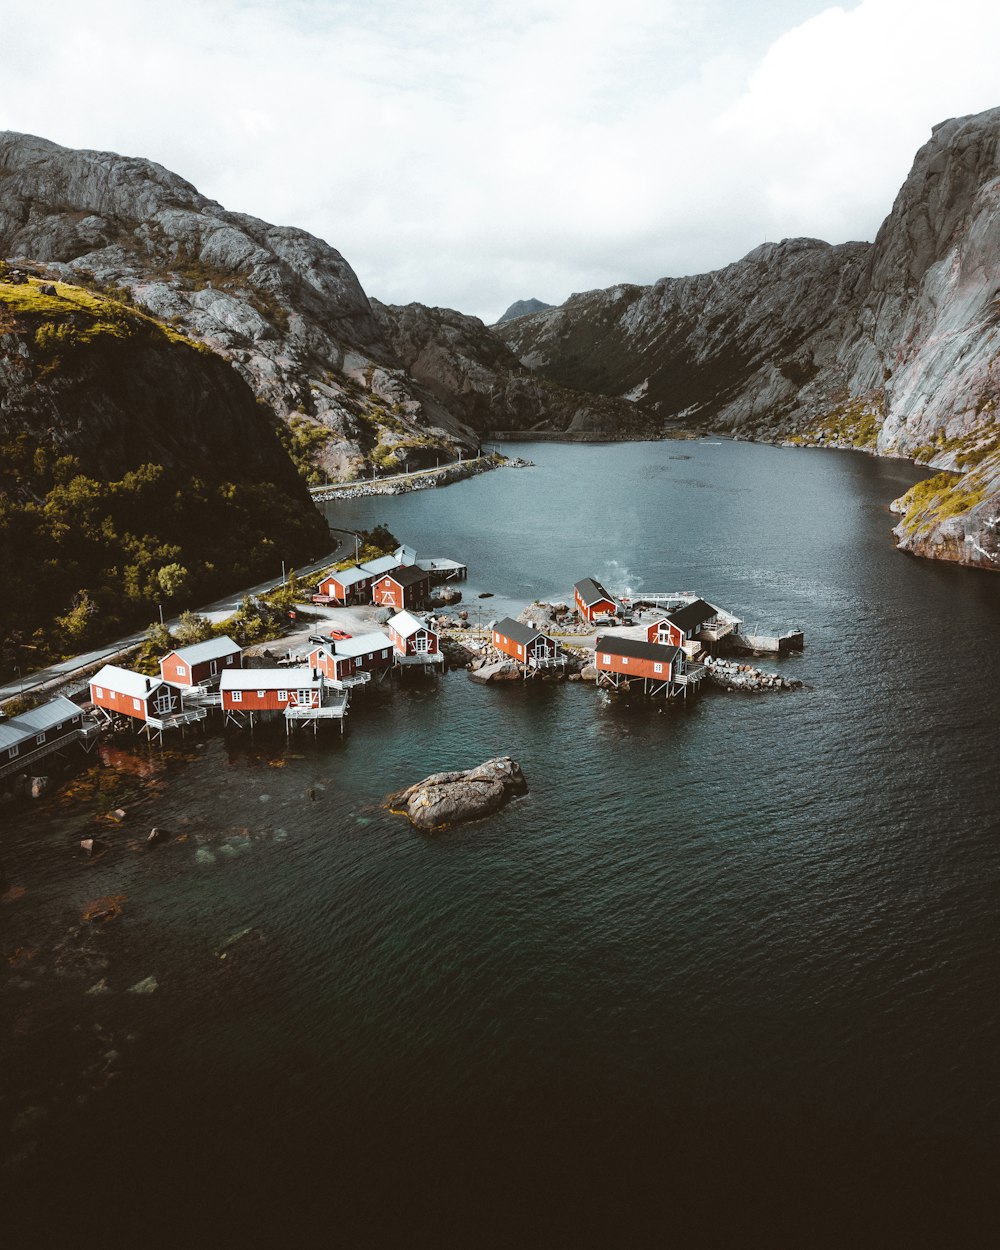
<point>338,635</point>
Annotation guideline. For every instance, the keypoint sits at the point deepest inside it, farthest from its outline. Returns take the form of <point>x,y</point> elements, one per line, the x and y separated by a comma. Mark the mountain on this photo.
<point>136,467</point>
<point>522,308</point>
<point>283,307</point>
<point>890,346</point>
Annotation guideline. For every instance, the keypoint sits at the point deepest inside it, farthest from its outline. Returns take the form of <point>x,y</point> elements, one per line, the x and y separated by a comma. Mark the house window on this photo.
<point>624,659</point>
<point>261,694</point>
<point>657,668</point>
<point>39,739</point>
<point>163,702</point>
<point>181,670</point>
<point>13,752</point>
<point>304,698</point>
<point>114,694</point>
<point>137,704</point>
<point>213,668</point>
<point>605,659</point>
<point>385,655</point>
<point>229,659</point>
<point>237,696</point>
<point>98,692</point>
<point>282,694</point>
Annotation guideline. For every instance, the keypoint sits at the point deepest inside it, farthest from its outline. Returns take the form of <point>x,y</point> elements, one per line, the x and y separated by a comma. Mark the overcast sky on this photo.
<point>468,153</point>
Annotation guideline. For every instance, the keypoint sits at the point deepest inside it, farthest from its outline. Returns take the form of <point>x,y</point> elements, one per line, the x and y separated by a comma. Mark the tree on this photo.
<point>173,580</point>
<point>192,628</point>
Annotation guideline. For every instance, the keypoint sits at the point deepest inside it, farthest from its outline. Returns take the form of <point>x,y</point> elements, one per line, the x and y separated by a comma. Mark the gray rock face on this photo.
<point>450,798</point>
<point>282,306</point>
<point>890,346</point>
<point>523,308</point>
<point>466,367</point>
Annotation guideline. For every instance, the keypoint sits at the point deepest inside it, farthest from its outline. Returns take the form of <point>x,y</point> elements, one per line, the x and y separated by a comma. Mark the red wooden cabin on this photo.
<point>405,588</point>
<point>345,586</point>
<point>666,632</point>
<point>412,638</point>
<point>202,662</point>
<point>593,602</point>
<point>270,689</point>
<point>142,698</point>
<point>526,644</point>
<point>630,659</point>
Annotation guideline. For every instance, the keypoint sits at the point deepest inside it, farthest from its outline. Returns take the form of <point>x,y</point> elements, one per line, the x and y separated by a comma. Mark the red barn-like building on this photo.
<point>666,632</point>
<point>405,588</point>
<point>593,602</point>
<point>413,640</point>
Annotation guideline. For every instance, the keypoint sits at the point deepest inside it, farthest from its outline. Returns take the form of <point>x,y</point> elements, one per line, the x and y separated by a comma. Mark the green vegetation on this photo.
<point>82,559</point>
<point>74,318</point>
<point>302,438</point>
<point>380,541</point>
<point>940,498</point>
<point>855,422</point>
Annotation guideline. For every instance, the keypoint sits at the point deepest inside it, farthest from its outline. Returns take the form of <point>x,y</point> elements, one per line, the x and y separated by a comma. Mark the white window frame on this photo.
<point>237,696</point>
<point>605,659</point>
<point>181,670</point>
<point>283,694</point>
<point>14,752</point>
<point>261,694</point>
<point>657,668</point>
<point>137,704</point>
<point>98,692</point>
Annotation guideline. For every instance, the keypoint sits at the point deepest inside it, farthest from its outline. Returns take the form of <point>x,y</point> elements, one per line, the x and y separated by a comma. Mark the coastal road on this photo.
<point>56,674</point>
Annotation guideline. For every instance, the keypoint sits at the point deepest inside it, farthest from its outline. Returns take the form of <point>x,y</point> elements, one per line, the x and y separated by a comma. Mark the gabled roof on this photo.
<point>405,624</point>
<point>635,648</point>
<point>408,576</point>
<point>135,685</point>
<point>37,720</point>
<point>212,649</point>
<point>348,577</point>
<point>518,631</point>
<point>361,644</point>
<point>269,679</point>
<point>405,555</point>
<point>384,564</point>
<point>693,614</point>
<point>591,591</point>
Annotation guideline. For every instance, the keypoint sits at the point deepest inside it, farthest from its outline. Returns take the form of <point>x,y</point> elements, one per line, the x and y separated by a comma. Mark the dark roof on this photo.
<point>635,648</point>
<point>517,630</point>
<point>693,614</point>
<point>591,591</point>
<point>408,576</point>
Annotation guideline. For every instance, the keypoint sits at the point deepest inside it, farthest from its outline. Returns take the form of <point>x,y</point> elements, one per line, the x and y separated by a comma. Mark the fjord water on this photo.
<point>736,957</point>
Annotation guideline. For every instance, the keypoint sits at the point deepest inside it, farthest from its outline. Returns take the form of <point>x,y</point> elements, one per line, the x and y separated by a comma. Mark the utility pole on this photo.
<point>282,572</point>
<point>160,606</point>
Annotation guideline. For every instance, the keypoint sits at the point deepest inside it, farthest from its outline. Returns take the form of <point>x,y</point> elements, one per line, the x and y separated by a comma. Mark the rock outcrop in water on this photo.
<point>445,799</point>
<point>889,346</point>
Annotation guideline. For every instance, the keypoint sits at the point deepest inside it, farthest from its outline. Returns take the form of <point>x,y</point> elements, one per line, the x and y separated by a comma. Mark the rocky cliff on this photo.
<point>891,346</point>
<point>283,307</point>
<point>127,449</point>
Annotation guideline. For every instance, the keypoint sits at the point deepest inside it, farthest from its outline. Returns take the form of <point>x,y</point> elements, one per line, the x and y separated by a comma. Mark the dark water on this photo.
<point>729,971</point>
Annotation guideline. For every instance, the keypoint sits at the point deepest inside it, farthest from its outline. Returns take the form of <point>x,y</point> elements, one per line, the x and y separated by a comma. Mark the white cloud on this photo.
<point>469,153</point>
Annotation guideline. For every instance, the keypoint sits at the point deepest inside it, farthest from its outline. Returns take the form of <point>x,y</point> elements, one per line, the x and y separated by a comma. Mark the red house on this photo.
<point>666,632</point>
<point>527,645</point>
<point>202,662</point>
<point>405,588</point>
<point>413,640</point>
<point>593,602</point>
<point>620,660</point>
<point>270,689</point>
<point>124,693</point>
<point>345,586</point>
<point>371,653</point>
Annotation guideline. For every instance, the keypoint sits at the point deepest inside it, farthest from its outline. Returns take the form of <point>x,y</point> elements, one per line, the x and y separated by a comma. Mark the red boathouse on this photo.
<point>403,589</point>
<point>593,602</point>
<point>202,662</point>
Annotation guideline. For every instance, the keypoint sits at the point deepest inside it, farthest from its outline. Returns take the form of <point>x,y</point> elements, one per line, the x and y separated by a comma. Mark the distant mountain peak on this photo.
<point>522,308</point>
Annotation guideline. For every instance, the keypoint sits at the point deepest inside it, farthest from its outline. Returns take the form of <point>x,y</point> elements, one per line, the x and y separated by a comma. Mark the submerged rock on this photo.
<point>450,798</point>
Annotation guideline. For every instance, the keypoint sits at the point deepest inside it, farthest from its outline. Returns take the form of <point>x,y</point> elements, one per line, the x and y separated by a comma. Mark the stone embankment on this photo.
<point>745,677</point>
<point>422,480</point>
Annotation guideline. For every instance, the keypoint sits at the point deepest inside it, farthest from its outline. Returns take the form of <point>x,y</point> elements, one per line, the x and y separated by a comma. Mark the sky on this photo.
<point>467,154</point>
